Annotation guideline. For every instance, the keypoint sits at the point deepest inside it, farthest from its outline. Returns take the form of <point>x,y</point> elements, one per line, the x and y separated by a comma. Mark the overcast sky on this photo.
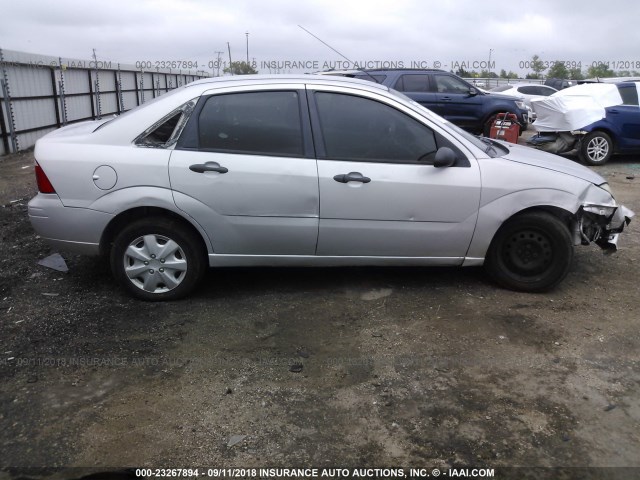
<point>400,31</point>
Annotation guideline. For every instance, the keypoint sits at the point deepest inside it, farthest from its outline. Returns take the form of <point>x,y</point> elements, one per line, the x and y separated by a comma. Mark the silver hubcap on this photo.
<point>597,149</point>
<point>155,263</point>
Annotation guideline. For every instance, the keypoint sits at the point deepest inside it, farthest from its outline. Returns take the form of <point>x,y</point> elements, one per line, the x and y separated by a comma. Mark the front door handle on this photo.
<point>446,99</point>
<point>208,167</point>
<point>351,177</point>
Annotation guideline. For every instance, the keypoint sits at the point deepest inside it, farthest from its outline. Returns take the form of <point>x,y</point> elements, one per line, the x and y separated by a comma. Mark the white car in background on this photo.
<point>526,91</point>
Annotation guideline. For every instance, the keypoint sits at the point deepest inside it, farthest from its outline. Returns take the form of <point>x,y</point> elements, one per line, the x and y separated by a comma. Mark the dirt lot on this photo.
<point>418,367</point>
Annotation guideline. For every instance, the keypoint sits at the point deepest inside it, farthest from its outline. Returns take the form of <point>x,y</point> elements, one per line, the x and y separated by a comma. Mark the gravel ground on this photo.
<point>412,367</point>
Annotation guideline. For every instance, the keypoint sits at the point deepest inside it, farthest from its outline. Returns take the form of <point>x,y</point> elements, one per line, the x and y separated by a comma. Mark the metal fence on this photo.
<point>41,93</point>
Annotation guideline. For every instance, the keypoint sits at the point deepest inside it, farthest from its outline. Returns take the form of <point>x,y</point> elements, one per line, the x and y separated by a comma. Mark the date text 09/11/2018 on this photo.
<point>571,64</point>
<point>312,472</point>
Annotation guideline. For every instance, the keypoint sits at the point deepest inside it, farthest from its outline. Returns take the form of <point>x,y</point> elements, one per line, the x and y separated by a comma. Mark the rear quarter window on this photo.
<point>629,94</point>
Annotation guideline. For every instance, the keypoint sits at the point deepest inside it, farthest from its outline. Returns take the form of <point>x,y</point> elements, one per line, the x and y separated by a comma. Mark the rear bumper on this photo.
<point>76,230</point>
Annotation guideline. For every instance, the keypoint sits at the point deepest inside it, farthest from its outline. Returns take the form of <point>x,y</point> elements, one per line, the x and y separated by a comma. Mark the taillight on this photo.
<point>44,185</point>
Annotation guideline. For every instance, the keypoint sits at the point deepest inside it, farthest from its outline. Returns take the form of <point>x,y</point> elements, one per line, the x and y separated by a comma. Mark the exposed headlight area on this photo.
<point>521,105</point>
<point>602,224</point>
<point>606,188</point>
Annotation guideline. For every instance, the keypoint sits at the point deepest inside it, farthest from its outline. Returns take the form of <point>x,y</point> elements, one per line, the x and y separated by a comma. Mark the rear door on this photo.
<point>418,87</point>
<point>244,169</point>
<point>380,195</point>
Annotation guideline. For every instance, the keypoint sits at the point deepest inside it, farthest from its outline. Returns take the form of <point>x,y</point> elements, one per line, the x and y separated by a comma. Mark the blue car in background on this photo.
<point>448,95</point>
<point>618,132</point>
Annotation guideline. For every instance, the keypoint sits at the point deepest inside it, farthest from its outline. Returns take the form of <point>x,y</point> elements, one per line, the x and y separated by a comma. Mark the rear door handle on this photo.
<point>614,111</point>
<point>208,167</point>
<point>446,99</point>
<point>351,177</point>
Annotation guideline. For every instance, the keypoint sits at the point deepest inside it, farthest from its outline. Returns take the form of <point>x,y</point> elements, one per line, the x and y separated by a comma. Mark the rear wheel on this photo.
<point>158,259</point>
<point>596,148</point>
<point>531,252</point>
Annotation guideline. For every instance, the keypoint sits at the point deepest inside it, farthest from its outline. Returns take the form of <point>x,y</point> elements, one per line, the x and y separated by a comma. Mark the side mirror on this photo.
<point>473,91</point>
<point>445,157</point>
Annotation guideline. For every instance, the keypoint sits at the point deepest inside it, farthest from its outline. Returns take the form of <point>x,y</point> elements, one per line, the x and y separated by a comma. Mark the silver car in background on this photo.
<point>309,171</point>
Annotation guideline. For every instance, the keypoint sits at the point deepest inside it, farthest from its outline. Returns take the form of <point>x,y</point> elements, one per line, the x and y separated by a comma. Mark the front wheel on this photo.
<point>530,253</point>
<point>596,148</point>
<point>157,259</point>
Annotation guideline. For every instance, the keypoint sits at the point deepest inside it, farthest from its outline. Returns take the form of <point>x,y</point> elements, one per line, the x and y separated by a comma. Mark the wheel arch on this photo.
<point>609,132</point>
<point>565,216</point>
<point>489,223</point>
<point>125,217</point>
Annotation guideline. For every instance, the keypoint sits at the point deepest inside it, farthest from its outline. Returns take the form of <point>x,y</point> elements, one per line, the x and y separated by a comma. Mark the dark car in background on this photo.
<point>447,95</point>
<point>617,132</point>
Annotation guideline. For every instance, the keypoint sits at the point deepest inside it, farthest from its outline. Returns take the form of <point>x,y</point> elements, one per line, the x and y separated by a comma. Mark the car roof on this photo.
<point>233,80</point>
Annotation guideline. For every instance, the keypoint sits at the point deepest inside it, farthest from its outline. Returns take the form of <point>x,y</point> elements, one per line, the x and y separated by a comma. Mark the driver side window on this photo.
<point>447,84</point>
<point>360,129</point>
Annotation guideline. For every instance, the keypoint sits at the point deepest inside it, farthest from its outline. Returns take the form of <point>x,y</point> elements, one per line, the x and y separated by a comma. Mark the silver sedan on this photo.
<point>309,171</point>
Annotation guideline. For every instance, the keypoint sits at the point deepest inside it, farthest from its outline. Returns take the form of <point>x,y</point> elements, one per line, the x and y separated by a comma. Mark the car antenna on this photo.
<point>325,43</point>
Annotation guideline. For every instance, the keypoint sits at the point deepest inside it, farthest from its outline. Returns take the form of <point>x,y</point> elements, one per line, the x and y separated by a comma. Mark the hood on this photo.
<point>536,158</point>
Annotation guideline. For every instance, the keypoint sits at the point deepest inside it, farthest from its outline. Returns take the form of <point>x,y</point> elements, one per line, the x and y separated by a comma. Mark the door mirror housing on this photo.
<point>445,157</point>
<point>473,91</point>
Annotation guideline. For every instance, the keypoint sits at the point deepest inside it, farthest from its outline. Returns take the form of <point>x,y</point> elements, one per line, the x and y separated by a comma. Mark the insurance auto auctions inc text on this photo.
<point>347,473</point>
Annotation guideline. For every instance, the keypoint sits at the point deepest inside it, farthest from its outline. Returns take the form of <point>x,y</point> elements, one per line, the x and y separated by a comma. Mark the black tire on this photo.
<point>174,275</point>
<point>596,148</point>
<point>531,252</point>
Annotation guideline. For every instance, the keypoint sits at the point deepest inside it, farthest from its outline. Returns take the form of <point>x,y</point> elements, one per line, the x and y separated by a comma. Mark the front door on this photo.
<point>380,194</point>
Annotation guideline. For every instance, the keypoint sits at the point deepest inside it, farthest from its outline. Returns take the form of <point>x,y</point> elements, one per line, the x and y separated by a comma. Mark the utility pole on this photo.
<point>230,63</point>
<point>218,61</point>
<point>247,34</point>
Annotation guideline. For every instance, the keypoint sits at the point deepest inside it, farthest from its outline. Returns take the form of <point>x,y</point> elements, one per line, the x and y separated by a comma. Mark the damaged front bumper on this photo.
<point>601,224</point>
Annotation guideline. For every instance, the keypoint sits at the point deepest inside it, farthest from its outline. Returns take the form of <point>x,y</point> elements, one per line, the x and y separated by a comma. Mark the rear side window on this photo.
<point>165,132</point>
<point>412,83</point>
<point>529,90</point>
<point>161,135</point>
<point>361,129</point>
<point>629,94</point>
<point>546,91</point>
<point>266,123</point>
